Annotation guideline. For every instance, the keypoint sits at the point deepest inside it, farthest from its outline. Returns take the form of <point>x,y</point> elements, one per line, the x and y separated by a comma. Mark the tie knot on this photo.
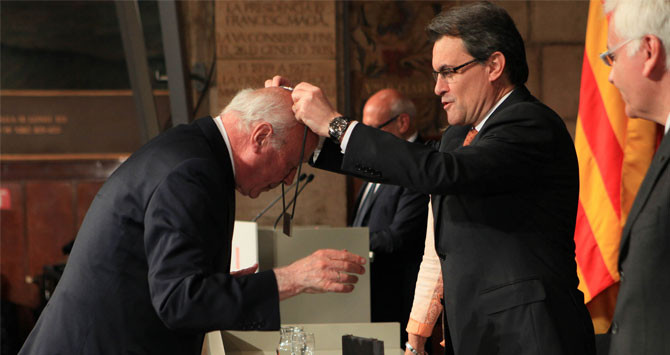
<point>471,135</point>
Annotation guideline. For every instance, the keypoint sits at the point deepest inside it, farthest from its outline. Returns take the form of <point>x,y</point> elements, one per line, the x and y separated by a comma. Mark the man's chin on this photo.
<point>630,112</point>
<point>455,122</point>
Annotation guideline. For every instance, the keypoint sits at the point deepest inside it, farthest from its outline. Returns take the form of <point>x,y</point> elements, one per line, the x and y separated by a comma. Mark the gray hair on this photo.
<point>253,106</point>
<point>402,105</point>
<point>634,19</point>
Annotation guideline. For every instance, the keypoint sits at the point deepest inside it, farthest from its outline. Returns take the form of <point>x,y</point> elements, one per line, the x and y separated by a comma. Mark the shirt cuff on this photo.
<point>347,134</point>
<point>420,329</point>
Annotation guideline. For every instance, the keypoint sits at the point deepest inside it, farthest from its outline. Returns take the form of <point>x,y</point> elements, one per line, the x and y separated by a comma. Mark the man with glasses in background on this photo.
<point>149,272</point>
<point>639,54</point>
<point>504,188</point>
<point>396,217</point>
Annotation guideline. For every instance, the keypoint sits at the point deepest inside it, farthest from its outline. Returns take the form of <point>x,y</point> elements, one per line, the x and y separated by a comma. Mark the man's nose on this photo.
<point>289,178</point>
<point>441,86</point>
<point>609,77</point>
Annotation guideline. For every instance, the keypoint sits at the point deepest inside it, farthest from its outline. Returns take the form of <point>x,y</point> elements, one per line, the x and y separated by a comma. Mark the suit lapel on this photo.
<point>379,189</point>
<point>359,198</point>
<point>364,212</point>
<point>220,151</point>
<point>659,162</point>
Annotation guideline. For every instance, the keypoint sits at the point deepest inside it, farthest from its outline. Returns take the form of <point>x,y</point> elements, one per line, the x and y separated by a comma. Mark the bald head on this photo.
<point>390,111</point>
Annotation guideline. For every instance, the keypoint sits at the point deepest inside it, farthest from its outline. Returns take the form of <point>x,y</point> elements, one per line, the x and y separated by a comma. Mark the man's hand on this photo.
<point>325,270</point>
<point>312,108</point>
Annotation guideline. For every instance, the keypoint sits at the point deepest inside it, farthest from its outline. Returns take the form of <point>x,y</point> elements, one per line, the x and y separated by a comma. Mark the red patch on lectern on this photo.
<point>5,199</point>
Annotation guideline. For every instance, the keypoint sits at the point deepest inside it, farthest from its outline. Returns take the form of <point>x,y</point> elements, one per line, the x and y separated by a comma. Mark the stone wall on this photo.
<point>554,33</point>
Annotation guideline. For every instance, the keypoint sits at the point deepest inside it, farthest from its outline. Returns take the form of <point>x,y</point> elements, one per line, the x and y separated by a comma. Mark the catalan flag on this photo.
<point>614,153</point>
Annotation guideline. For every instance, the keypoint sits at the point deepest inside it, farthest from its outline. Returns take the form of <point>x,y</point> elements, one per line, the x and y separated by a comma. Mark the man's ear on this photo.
<point>496,65</point>
<point>403,123</point>
<point>260,136</point>
<point>654,56</point>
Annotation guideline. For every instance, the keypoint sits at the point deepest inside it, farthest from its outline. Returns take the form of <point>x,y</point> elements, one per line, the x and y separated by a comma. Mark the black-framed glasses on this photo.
<point>608,56</point>
<point>288,217</point>
<point>389,121</point>
<point>447,73</point>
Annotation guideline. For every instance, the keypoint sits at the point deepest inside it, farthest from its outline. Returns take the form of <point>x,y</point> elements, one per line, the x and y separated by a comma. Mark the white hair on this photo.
<point>252,106</point>
<point>632,19</point>
<point>402,105</point>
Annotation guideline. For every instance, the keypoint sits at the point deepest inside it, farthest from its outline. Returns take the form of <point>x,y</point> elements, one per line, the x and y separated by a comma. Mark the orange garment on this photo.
<point>427,307</point>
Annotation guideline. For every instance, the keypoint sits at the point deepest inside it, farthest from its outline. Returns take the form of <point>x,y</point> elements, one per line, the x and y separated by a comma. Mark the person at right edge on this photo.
<point>638,40</point>
<point>504,188</point>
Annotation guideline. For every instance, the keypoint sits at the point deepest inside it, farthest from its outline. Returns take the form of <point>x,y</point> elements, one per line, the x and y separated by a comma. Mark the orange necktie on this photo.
<point>471,135</point>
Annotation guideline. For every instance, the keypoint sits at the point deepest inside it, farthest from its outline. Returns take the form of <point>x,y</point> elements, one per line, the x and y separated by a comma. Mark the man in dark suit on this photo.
<point>149,270</point>
<point>396,217</point>
<point>639,54</point>
<point>504,186</point>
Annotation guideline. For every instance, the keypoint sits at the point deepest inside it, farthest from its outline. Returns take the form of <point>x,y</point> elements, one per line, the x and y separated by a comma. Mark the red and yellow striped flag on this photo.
<point>614,153</point>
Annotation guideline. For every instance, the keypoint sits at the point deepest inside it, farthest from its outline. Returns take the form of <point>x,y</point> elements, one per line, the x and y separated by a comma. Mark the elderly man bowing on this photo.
<point>149,270</point>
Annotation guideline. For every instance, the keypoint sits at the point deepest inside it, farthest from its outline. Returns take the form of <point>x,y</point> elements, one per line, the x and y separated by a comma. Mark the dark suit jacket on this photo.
<point>397,222</point>
<point>505,209</point>
<point>149,270</point>
<point>641,323</point>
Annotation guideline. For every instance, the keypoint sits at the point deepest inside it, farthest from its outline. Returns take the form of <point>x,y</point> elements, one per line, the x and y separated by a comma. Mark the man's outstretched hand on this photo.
<point>325,270</point>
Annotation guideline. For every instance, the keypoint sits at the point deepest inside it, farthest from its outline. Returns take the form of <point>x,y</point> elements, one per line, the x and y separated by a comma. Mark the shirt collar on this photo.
<point>667,124</point>
<point>481,124</point>
<point>222,129</point>
<point>413,137</point>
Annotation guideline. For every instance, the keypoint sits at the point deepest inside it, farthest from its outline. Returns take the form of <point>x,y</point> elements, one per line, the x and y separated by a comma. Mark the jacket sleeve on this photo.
<point>510,153</point>
<point>187,245</point>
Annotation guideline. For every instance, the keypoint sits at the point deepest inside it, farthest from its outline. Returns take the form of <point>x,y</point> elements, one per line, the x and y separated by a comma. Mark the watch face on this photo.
<point>337,127</point>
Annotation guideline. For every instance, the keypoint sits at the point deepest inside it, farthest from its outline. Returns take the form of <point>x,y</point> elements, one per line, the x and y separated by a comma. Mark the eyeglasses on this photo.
<point>608,56</point>
<point>387,122</point>
<point>446,73</point>
<point>288,217</point>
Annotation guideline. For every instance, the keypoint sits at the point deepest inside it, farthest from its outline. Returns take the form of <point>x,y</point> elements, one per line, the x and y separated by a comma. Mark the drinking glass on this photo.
<point>287,340</point>
<point>309,344</point>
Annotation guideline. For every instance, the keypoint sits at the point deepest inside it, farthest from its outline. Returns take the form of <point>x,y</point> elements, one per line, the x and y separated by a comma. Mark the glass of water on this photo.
<point>309,344</point>
<point>291,341</point>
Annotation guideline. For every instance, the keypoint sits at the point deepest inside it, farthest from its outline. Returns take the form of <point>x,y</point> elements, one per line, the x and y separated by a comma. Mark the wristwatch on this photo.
<point>337,127</point>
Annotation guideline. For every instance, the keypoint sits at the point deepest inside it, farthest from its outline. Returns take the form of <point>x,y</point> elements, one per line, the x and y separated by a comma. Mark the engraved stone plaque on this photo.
<point>256,40</point>
<point>72,122</point>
